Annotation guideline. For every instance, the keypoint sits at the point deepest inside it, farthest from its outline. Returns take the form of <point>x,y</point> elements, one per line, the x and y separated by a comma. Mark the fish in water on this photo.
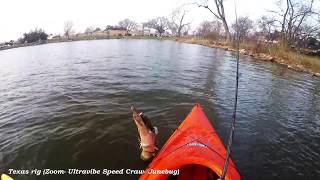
<point>147,134</point>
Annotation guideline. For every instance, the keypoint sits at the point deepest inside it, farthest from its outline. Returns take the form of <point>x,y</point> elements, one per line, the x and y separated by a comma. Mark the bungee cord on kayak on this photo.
<point>233,124</point>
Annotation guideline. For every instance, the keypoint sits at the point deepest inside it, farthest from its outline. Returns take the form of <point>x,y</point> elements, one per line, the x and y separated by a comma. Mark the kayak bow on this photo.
<point>194,149</point>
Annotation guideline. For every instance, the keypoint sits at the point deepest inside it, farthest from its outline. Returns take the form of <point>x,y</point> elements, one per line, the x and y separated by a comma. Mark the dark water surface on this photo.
<point>67,105</point>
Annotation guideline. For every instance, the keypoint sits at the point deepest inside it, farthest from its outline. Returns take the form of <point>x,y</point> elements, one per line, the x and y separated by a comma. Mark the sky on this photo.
<point>20,16</point>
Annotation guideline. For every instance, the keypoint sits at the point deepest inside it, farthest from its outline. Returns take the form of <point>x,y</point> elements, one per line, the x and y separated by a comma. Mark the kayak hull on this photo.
<point>194,149</point>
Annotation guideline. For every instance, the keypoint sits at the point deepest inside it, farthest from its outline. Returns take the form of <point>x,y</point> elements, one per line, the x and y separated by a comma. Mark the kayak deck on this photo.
<point>195,149</point>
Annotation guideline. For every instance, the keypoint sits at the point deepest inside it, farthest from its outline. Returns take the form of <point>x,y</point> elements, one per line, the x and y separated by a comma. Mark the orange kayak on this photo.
<point>194,151</point>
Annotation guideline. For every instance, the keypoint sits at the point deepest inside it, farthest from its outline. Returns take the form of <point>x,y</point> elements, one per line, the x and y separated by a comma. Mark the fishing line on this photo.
<point>226,162</point>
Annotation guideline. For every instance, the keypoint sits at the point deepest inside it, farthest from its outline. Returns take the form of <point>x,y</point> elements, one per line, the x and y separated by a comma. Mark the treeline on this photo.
<point>35,35</point>
<point>293,24</point>
<point>162,25</point>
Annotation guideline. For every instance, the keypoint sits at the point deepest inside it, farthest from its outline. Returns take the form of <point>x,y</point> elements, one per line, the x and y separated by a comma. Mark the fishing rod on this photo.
<point>233,125</point>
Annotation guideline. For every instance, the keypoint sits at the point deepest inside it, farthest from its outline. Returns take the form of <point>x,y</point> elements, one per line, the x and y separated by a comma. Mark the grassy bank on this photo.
<point>289,58</point>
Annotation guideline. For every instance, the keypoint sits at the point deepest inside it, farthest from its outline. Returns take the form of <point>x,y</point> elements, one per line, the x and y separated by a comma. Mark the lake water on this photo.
<point>67,105</point>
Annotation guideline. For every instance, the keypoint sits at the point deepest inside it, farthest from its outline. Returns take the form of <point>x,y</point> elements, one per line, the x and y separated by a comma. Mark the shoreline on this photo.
<point>62,40</point>
<point>259,56</point>
<point>191,40</point>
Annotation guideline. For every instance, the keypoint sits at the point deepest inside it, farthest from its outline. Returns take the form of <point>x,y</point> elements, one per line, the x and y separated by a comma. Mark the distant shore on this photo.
<point>292,60</point>
<point>88,38</point>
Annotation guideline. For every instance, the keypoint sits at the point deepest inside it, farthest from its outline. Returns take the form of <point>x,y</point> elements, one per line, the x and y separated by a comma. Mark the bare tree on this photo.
<point>219,14</point>
<point>293,14</point>
<point>268,27</point>
<point>160,24</point>
<point>173,29</point>
<point>185,30</point>
<point>210,30</point>
<point>268,30</point>
<point>245,24</point>
<point>89,30</point>
<point>68,28</point>
<point>127,24</point>
<point>97,29</point>
<point>306,32</point>
<point>204,28</point>
<point>177,21</point>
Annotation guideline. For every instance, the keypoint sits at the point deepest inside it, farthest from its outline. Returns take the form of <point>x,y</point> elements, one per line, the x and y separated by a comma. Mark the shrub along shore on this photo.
<point>289,58</point>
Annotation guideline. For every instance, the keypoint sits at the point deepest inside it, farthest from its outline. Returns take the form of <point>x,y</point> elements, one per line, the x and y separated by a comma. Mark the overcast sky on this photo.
<point>19,16</point>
